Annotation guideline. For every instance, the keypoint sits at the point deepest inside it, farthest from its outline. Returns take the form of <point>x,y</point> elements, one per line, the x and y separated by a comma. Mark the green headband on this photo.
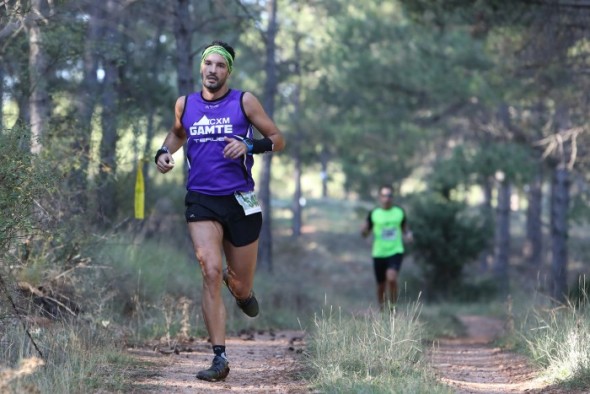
<point>218,49</point>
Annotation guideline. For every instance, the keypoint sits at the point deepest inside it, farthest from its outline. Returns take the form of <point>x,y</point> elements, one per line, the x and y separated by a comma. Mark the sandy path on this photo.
<point>473,365</point>
<point>259,363</point>
<point>271,363</point>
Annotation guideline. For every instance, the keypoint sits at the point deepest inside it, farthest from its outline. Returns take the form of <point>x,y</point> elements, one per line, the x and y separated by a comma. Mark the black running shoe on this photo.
<point>218,370</point>
<point>249,305</point>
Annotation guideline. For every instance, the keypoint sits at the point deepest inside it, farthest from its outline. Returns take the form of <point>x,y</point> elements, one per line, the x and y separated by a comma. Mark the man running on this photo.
<point>222,210</point>
<point>389,227</point>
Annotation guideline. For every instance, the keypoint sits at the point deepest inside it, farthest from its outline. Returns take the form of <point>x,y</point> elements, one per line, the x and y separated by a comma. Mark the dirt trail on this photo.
<point>266,362</point>
<point>471,364</point>
<point>259,363</point>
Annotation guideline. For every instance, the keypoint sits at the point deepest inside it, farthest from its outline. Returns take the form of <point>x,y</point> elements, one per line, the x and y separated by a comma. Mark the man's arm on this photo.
<point>173,141</point>
<point>406,232</point>
<point>367,226</point>
<point>263,122</point>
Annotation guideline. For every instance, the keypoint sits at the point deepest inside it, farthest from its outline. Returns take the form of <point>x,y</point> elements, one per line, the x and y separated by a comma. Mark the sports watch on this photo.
<point>249,144</point>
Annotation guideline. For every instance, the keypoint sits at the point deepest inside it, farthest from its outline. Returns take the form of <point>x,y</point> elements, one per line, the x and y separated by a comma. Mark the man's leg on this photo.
<point>241,263</point>
<point>381,294</point>
<point>379,268</point>
<point>391,275</point>
<point>207,239</point>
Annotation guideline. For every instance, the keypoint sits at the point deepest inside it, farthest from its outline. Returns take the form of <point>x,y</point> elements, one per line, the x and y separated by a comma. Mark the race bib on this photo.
<point>248,201</point>
<point>388,234</point>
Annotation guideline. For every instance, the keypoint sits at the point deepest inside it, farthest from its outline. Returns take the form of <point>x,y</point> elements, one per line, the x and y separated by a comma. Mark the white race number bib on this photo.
<point>248,201</point>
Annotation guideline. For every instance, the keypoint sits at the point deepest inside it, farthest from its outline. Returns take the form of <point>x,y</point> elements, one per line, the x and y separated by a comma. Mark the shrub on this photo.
<point>446,238</point>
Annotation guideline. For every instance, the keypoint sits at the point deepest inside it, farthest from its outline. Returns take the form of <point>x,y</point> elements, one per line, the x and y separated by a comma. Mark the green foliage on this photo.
<point>24,179</point>
<point>515,161</point>
<point>579,212</point>
<point>467,167</point>
<point>388,81</point>
<point>451,173</point>
<point>447,237</point>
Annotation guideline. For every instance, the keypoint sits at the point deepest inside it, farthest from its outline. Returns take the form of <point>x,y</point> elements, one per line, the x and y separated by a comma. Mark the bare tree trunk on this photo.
<point>486,257</point>
<point>184,60</point>
<point>39,100</point>
<point>502,236</point>
<point>560,197</point>
<point>270,88</point>
<point>155,70</point>
<point>108,143</point>
<point>1,98</point>
<point>533,249</point>
<point>85,105</point>
<point>324,156</point>
<point>24,115</point>
<point>297,210</point>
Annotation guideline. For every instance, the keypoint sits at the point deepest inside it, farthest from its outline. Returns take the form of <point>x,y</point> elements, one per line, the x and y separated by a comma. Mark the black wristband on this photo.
<point>262,145</point>
<point>160,151</point>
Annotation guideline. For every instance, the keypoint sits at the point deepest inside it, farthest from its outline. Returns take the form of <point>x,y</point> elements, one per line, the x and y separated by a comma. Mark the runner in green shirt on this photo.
<point>389,228</point>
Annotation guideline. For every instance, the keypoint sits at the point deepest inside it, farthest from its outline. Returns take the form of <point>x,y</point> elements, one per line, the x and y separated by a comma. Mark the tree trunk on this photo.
<point>270,88</point>
<point>24,115</point>
<point>297,210</point>
<point>502,236</point>
<point>1,98</point>
<point>108,143</point>
<point>533,249</point>
<point>324,157</point>
<point>486,257</point>
<point>85,104</point>
<point>560,197</point>
<point>184,61</point>
<point>39,105</point>
<point>148,153</point>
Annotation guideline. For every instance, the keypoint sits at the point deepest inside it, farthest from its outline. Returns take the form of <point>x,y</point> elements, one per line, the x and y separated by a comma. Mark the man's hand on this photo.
<point>165,163</point>
<point>408,237</point>
<point>234,148</point>
<point>365,231</point>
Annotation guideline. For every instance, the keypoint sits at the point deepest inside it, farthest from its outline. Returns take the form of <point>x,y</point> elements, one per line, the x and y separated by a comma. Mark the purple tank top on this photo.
<point>206,124</point>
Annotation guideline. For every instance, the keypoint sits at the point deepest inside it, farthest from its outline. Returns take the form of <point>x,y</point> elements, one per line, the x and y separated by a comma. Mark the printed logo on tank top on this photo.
<point>206,126</point>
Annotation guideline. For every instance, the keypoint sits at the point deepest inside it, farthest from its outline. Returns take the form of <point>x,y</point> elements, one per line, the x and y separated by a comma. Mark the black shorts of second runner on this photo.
<point>238,228</point>
<point>382,264</point>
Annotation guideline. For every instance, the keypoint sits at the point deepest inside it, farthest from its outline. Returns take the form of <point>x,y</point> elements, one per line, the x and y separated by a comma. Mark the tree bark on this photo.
<point>534,227</point>
<point>297,209</point>
<point>1,98</point>
<point>39,105</point>
<point>85,104</point>
<point>270,87</point>
<point>150,129</point>
<point>560,198</point>
<point>486,257</point>
<point>324,157</point>
<point>108,143</point>
<point>502,237</point>
<point>184,61</point>
<point>296,205</point>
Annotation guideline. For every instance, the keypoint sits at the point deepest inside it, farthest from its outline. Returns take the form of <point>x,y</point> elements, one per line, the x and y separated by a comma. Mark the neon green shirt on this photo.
<point>387,231</point>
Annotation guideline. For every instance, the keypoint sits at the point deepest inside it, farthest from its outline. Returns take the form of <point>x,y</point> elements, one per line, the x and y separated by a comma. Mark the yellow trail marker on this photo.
<point>139,192</point>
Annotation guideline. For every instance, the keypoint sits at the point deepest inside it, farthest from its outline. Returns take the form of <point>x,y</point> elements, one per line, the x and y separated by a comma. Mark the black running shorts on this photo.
<point>238,228</point>
<point>382,264</point>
